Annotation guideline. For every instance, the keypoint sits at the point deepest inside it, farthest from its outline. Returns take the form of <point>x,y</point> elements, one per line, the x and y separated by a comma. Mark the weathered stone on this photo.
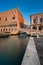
<point>31,56</point>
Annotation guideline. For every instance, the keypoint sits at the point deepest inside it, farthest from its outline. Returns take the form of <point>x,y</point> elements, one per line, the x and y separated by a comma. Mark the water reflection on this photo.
<point>12,49</point>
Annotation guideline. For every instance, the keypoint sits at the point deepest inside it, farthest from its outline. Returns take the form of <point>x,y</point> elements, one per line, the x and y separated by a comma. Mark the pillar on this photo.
<point>37,31</point>
<point>38,20</point>
<point>31,30</point>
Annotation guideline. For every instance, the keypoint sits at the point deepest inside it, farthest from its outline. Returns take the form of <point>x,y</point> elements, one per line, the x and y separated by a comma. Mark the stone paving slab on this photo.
<point>31,56</point>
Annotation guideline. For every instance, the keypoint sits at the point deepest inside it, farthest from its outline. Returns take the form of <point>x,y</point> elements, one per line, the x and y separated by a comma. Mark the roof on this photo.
<point>36,14</point>
<point>9,10</point>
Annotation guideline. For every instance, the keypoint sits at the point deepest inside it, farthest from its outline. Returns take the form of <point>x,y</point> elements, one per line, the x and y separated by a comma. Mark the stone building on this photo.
<point>10,21</point>
<point>36,22</point>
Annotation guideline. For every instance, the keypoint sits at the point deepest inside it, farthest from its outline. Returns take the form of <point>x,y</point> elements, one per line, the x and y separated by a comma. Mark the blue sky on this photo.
<point>27,7</point>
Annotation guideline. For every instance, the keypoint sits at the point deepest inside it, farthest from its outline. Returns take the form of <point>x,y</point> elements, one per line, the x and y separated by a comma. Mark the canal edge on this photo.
<point>31,56</point>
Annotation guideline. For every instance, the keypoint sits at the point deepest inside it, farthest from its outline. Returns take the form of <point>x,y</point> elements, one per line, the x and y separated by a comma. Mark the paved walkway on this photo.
<point>31,56</point>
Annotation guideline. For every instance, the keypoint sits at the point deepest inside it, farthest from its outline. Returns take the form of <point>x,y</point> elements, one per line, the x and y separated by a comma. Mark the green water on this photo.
<point>12,49</point>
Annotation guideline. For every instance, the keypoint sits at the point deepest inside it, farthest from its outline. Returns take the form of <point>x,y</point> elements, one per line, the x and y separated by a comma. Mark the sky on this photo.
<point>27,7</point>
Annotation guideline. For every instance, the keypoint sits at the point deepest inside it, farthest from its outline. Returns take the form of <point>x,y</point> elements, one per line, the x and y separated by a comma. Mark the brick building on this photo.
<point>10,21</point>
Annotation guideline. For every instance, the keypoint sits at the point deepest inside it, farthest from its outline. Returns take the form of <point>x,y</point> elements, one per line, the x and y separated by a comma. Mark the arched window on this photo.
<point>1,30</point>
<point>15,29</point>
<point>41,19</point>
<point>35,20</point>
<point>34,27</point>
<point>6,19</point>
<point>13,17</point>
<point>6,29</point>
<point>9,29</point>
<point>40,28</point>
<point>12,29</point>
<point>0,18</point>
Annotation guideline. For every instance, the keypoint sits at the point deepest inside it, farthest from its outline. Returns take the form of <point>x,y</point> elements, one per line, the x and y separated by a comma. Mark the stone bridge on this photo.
<point>25,30</point>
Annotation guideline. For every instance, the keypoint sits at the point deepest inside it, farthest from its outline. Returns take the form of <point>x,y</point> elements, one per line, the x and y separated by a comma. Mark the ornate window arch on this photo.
<point>34,27</point>
<point>40,28</point>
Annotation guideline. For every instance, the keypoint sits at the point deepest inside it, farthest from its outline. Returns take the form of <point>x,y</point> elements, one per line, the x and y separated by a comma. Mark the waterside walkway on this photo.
<point>31,56</point>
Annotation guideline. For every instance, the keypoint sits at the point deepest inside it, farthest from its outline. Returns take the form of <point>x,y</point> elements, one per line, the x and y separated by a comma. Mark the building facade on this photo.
<point>36,22</point>
<point>11,20</point>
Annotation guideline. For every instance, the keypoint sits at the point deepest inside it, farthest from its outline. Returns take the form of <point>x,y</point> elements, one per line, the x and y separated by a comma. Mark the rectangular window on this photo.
<point>0,18</point>
<point>5,19</point>
<point>41,19</point>
<point>34,21</point>
<point>13,17</point>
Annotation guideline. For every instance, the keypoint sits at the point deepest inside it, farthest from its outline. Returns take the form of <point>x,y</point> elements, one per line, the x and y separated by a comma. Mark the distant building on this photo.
<point>11,20</point>
<point>36,22</point>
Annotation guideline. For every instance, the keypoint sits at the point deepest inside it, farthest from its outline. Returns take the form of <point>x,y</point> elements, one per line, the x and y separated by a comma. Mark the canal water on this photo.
<point>12,49</point>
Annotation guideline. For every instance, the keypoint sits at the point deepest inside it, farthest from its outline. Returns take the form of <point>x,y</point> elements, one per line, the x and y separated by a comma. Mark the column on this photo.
<point>32,20</point>
<point>37,31</point>
<point>38,20</point>
<point>31,30</point>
